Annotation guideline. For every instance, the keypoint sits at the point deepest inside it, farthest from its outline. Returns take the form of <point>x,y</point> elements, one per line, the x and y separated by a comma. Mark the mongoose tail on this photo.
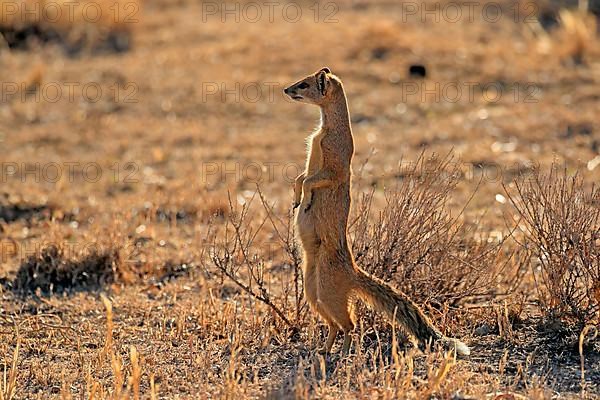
<point>384,298</point>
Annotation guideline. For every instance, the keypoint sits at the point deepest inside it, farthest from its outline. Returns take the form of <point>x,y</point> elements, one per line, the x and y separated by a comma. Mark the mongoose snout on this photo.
<point>291,92</point>
<point>313,89</point>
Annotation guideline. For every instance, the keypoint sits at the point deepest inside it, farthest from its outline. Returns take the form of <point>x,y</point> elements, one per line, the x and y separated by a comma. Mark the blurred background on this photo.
<point>165,86</point>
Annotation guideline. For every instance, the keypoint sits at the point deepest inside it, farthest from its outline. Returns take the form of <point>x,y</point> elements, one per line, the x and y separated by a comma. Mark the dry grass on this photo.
<point>194,290</point>
<point>561,223</point>
<point>578,33</point>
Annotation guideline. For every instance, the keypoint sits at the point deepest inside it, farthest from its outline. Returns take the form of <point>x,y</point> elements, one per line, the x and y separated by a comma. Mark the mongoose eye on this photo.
<point>303,85</point>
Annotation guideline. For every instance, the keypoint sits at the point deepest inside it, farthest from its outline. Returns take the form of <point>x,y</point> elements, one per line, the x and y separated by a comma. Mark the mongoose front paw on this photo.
<point>309,205</point>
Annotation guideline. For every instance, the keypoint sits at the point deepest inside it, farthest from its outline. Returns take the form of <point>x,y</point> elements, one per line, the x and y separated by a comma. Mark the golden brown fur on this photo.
<point>322,198</point>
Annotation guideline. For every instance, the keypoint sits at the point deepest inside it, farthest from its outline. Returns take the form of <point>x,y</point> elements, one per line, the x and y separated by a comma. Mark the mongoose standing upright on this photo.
<point>322,198</point>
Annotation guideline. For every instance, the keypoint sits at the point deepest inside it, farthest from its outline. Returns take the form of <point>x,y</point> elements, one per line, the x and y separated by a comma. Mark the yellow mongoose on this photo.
<point>322,193</point>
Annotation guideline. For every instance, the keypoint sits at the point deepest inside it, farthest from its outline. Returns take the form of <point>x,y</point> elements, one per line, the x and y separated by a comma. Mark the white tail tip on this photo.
<point>460,348</point>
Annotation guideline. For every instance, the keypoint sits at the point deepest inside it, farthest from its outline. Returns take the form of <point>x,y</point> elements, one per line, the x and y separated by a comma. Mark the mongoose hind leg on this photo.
<point>338,308</point>
<point>310,291</point>
<point>347,343</point>
<point>333,331</point>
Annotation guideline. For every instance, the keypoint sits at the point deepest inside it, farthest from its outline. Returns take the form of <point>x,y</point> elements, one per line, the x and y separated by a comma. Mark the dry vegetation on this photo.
<point>146,249</point>
<point>561,231</point>
<point>75,26</point>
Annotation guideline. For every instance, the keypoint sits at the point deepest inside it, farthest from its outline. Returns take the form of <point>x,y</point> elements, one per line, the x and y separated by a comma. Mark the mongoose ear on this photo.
<point>323,81</point>
<point>326,70</point>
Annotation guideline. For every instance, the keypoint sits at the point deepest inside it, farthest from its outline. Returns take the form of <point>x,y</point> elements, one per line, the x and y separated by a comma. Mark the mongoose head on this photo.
<point>318,88</point>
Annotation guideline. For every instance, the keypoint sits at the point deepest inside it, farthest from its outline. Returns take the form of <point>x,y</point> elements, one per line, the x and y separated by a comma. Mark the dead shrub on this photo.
<point>560,222</point>
<point>249,254</point>
<point>14,212</point>
<point>417,244</point>
<point>52,272</point>
<point>97,26</point>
